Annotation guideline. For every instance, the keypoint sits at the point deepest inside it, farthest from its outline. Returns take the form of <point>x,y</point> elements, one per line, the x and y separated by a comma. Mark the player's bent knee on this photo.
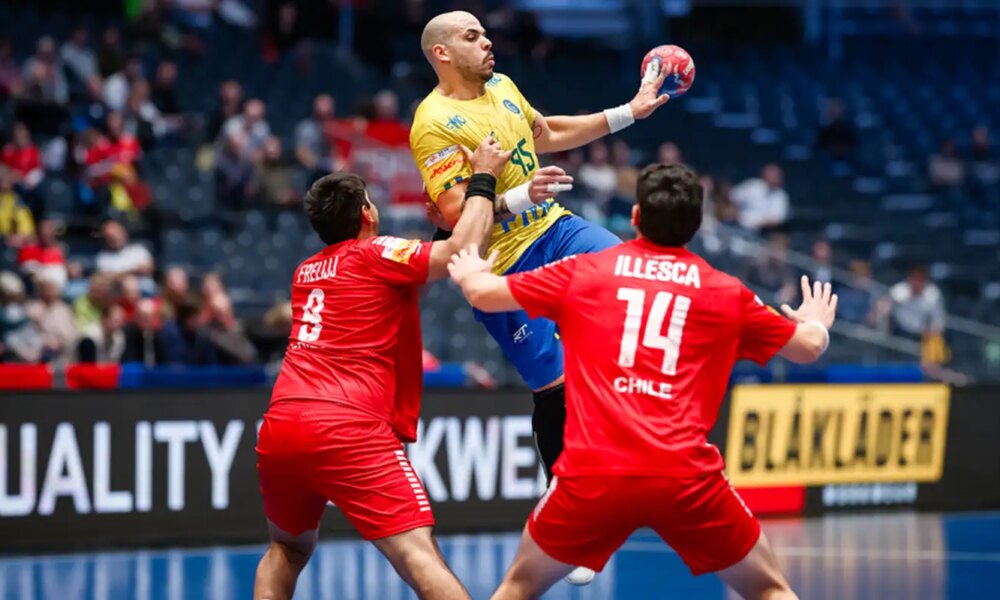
<point>294,548</point>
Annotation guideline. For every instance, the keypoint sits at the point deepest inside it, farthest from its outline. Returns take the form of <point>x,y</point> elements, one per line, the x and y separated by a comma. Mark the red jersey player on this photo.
<point>349,390</point>
<point>651,332</point>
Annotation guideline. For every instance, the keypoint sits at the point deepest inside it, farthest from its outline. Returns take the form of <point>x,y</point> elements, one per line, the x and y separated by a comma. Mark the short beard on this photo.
<point>476,76</point>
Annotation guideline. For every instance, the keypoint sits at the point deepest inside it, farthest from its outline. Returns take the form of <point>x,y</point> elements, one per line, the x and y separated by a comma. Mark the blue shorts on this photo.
<point>533,344</point>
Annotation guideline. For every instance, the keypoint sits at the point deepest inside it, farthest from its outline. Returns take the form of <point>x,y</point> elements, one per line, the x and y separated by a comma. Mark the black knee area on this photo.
<point>549,424</point>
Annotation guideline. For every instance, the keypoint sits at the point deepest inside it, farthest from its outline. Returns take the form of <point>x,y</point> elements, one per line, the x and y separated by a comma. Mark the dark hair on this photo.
<point>670,199</point>
<point>186,309</point>
<point>333,205</point>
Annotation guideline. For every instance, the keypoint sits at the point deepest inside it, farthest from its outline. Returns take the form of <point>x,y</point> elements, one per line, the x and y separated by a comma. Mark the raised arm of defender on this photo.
<point>474,218</point>
<point>814,317</point>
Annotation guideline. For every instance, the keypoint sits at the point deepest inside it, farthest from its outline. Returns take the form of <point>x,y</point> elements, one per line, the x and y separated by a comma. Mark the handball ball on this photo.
<point>679,66</point>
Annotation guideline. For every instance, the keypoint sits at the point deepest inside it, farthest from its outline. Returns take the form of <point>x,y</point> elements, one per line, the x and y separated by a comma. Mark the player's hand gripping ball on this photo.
<point>678,65</point>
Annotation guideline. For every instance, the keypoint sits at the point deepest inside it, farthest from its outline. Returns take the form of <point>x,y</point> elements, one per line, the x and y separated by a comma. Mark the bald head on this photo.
<point>456,45</point>
<point>441,28</point>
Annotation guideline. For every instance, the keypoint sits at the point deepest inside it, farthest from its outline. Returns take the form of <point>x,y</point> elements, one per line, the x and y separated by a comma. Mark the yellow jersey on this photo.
<point>441,124</point>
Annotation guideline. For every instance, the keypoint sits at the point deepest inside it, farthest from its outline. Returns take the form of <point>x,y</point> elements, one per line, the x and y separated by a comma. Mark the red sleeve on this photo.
<point>399,261</point>
<point>764,331</point>
<point>541,292</point>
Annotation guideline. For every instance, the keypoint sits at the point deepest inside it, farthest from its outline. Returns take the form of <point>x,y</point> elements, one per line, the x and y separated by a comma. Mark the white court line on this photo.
<point>816,552</point>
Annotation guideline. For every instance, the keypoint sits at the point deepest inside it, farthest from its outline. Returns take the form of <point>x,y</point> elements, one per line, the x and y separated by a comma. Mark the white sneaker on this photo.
<point>580,576</point>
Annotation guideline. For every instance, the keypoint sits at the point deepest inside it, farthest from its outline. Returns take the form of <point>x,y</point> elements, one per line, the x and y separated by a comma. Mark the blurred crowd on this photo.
<point>87,110</point>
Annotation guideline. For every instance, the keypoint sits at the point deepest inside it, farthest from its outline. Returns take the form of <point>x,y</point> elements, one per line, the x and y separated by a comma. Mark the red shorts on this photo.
<point>309,453</point>
<point>582,520</point>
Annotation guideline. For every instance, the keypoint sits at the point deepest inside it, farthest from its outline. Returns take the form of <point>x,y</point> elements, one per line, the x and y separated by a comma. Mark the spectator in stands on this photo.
<point>92,112</point>
<point>626,178</point>
<point>984,167</point>
<point>128,194</point>
<point>42,255</point>
<point>726,211</point>
<point>54,319</point>
<point>24,161</point>
<point>945,169</point>
<point>235,184</point>
<point>857,302</point>
<point>144,342</point>
<point>230,105</point>
<point>822,267</point>
<point>387,127</point>
<point>99,296</point>
<point>762,202</point>
<point>176,288</point>
<point>44,78</point>
<point>118,85</point>
<point>120,258</point>
<point>185,339</point>
<point>232,346</point>
<point>141,117</point>
<point>16,223</point>
<point>92,153</point>
<point>769,270</point>
<point>20,339</point>
<point>669,153</point>
<point>110,57</point>
<point>80,60</point>
<point>252,125</point>
<point>211,286</point>
<point>277,177</point>
<point>129,296</point>
<point>11,83</point>
<point>918,305</point>
<point>598,176</point>
<point>164,96</point>
<point>312,149</point>
<point>837,136</point>
<point>103,342</point>
<point>76,284</point>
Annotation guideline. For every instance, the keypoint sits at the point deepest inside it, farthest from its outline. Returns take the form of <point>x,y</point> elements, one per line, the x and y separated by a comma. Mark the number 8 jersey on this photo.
<point>355,337</point>
<point>441,124</point>
<point>650,335</point>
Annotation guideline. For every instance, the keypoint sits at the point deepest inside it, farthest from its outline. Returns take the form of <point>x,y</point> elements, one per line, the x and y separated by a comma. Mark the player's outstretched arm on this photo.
<point>483,289</point>
<point>814,317</point>
<point>476,209</point>
<point>559,133</point>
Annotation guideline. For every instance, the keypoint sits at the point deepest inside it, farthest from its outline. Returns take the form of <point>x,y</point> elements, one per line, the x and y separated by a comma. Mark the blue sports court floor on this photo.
<point>886,556</point>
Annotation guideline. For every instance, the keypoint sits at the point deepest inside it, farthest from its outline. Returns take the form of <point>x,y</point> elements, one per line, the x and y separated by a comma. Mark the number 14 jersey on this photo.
<point>650,336</point>
<point>355,336</point>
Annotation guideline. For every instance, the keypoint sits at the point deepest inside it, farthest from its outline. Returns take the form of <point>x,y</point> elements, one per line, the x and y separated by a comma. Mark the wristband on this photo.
<point>482,184</point>
<point>826,333</point>
<point>619,117</point>
<point>517,199</point>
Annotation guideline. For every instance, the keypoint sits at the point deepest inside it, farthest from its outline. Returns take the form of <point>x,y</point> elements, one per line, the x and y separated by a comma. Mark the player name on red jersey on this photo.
<point>652,269</point>
<point>312,272</point>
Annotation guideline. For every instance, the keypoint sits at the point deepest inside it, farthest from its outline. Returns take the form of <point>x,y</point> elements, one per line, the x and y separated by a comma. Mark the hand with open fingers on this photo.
<point>648,98</point>
<point>547,182</point>
<point>468,261</point>
<point>488,157</point>
<point>818,304</point>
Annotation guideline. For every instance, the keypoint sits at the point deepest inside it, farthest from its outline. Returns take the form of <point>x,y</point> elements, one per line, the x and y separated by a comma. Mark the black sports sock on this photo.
<point>549,424</point>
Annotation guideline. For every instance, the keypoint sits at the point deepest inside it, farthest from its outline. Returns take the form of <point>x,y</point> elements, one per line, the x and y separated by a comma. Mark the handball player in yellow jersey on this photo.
<point>470,103</point>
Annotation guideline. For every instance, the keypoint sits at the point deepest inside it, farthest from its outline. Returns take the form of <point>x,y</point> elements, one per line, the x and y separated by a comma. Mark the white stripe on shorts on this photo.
<point>418,490</point>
